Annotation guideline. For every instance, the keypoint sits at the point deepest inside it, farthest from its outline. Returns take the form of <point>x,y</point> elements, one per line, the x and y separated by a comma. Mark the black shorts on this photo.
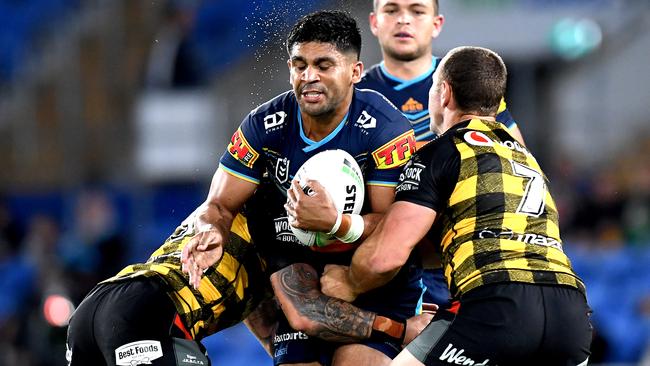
<point>130,322</point>
<point>510,324</point>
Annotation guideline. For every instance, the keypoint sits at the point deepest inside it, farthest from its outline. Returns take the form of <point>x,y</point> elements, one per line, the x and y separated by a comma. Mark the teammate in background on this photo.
<point>323,111</point>
<point>405,29</point>
<point>484,198</point>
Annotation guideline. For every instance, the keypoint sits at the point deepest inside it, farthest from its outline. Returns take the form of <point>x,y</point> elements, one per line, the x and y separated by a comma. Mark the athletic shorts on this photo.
<point>437,291</point>
<point>399,300</point>
<point>510,324</point>
<point>129,322</point>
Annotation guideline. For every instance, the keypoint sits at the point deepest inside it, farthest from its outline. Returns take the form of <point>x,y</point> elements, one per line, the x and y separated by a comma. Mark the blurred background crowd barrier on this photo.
<point>114,114</point>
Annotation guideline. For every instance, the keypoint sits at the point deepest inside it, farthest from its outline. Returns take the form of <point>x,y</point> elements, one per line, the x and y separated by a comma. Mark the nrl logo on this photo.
<point>282,170</point>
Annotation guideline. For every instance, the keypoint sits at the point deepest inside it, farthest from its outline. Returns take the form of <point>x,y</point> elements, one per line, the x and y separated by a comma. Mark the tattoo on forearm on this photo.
<point>335,319</point>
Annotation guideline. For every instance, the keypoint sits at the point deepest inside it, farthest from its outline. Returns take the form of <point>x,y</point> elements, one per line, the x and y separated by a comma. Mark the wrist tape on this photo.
<point>337,224</point>
<point>386,329</point>
<point>356,229</point>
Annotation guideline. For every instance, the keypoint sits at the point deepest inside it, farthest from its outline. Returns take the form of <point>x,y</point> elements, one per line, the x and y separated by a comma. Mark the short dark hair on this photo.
<point>435,6</point>
<point>327,26</point>
<point>477,77</point>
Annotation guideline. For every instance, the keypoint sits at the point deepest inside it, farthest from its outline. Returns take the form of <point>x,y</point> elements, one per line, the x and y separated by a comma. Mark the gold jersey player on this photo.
<point>484,199</point>
<point>405,30</point>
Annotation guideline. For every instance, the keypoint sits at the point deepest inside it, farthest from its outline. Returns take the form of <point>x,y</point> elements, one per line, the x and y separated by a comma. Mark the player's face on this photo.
<point>405,28</point>
<point>322,78</point>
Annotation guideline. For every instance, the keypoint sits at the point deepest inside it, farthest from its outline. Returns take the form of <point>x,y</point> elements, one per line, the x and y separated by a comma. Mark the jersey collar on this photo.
<point>313,145</point>
<point>401,83</point>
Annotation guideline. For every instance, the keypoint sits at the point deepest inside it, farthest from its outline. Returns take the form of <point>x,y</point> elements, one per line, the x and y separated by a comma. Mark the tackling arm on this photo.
<point>331,319</point>
<point>213,220</point>
<point>382,254</point>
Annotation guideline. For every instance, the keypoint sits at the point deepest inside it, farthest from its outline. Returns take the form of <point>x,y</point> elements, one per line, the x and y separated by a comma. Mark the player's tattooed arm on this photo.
<point>307,309</point>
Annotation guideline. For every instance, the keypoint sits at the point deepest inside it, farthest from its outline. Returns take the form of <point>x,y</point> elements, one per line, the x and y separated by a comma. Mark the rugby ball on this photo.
<point>340,175</point>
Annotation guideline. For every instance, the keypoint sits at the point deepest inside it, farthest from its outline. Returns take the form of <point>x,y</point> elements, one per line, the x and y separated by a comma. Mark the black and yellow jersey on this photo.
<point>229,290</point>
<point>496,220</point>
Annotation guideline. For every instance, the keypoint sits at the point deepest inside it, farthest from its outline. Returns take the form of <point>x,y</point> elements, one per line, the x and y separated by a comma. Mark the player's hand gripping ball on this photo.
<point>340,175</point>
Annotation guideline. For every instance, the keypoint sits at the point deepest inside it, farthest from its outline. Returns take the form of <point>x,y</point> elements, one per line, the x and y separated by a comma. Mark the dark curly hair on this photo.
<point>327,26</point>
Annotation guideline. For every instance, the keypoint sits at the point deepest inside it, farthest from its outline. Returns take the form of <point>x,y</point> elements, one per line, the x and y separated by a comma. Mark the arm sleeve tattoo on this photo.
<point>331,319</point>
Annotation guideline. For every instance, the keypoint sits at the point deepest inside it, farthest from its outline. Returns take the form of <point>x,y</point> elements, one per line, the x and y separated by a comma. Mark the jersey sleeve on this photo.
<point>392,146</point>
<point>242,156</point>
<point>430,177</point>
<point>504,116</point>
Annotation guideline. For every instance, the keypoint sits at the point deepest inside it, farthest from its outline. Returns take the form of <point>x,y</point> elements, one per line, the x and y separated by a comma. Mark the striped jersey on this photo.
<point>229,290</point>
<point>411,97</point>
<point>496,220</point>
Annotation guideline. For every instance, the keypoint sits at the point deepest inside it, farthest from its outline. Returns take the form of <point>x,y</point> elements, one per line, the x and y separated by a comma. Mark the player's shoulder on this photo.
<point>441,147</point>
<point>272,117</point>
<point>376,116</point>
<point>283,102</point>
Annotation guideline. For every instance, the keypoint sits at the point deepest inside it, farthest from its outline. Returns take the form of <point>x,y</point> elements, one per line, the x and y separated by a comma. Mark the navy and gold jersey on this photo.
<point>229,291</point>
<point>270,146</point>
<point>496,220</point>
<point>412,97</point>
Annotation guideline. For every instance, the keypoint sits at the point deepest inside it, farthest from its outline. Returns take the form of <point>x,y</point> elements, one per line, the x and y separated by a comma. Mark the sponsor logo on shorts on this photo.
<point>455,356</point>
<point>138,353</point>
<point>241,150</point>
<point>192,360</point>
<point>283,231</point>
<point>283,337</point>
<point>281,350</point>
<point>396,152</point>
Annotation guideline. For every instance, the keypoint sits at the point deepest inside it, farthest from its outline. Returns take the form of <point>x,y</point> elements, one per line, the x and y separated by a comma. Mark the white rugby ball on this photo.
<point>340,175</point>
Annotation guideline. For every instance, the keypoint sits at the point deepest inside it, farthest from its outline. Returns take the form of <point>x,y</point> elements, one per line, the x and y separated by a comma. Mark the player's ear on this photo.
<point>446,94</point>
<point>438,22</point>
<point>357,71</point>
<point>372,20</point>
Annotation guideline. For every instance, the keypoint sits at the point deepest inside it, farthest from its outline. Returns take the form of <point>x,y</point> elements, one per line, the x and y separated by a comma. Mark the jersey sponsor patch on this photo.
<point>138,353</point>
<point>396,152</point>
<point>410,178</point>
<point>412,106</point>
<point>241,150</point>
<point>274,121</point>
<point>366,121</point>
<point>477,138</point>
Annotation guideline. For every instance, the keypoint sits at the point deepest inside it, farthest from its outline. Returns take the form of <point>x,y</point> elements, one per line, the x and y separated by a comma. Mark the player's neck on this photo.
<point>317,128</point>
<point>455,118</point>
<point>407,70</point>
